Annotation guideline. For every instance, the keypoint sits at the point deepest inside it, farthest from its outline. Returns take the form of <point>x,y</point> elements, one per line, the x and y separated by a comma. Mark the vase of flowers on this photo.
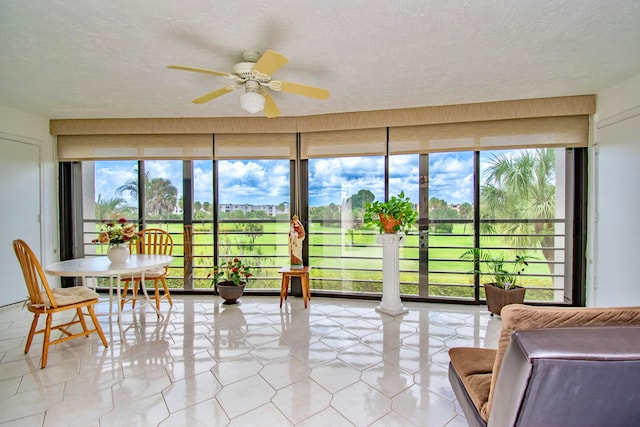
<point>117,234</point>
<point>229,279</point>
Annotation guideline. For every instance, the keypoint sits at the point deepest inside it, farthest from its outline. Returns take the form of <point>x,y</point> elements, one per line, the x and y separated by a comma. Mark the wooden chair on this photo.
<point>153,241</point>
<point>44,300</point>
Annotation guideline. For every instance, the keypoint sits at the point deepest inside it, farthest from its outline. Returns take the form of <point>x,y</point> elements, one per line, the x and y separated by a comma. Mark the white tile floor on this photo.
<point>338,363</point>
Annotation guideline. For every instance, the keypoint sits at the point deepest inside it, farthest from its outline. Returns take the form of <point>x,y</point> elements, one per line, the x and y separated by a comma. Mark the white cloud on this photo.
<point>333,180</point>
<point>254,182</point>
<point>202,182</point>
<point>111,175</point>
<point>330,180</point>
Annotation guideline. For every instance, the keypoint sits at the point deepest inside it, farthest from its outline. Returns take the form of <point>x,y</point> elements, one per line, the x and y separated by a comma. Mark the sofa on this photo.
<point>540,376</point>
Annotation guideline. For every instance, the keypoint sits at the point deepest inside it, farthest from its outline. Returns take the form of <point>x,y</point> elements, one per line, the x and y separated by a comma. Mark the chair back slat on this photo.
<point>34,276</point>
<point>155,241</point>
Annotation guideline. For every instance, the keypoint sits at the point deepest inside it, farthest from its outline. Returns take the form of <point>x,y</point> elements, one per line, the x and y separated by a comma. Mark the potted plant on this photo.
<point>230,279</point>
<point>503,289</point>
<point>395,215</point>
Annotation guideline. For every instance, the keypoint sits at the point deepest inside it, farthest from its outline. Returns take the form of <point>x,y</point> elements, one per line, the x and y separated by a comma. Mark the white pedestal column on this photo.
<point>391,303</point>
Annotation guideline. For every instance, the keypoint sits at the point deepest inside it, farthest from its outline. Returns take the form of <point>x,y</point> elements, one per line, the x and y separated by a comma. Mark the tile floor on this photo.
<point>338,363</point>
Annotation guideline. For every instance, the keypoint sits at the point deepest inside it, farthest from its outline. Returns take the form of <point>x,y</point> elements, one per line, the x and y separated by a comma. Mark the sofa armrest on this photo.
<point>569,376</point>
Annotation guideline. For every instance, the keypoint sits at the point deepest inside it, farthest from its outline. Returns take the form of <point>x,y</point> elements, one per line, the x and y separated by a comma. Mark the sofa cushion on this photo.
<point>473,366</point>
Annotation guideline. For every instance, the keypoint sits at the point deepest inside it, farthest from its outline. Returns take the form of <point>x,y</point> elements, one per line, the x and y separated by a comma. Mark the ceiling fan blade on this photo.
<point>313,92</point>
<point>270,108</point>
<point>212,95</point>
<point>269,63</point>
<point>198,70</point>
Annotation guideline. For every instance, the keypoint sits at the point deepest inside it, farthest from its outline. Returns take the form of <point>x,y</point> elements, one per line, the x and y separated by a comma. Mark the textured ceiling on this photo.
<point>107,59</point>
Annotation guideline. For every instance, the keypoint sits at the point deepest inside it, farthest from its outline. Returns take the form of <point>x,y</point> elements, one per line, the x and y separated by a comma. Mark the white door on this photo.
<point>20,212</point>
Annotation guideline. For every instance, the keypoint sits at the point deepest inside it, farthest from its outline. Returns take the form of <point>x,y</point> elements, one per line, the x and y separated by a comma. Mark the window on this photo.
<point>446,224</point>
<point>404,176</point>
<point>104,197</point>
<point>253,216</point>
<point>202,225</point>
<point>344,257</point>
<point>505,183</point>
<point>523,210</point>
<point>112,189</point>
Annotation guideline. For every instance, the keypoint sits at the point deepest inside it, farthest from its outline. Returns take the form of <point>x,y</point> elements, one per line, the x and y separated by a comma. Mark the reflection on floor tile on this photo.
<point>337,363</point>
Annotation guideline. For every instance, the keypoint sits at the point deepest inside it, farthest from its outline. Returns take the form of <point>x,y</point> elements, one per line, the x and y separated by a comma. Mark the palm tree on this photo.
<point>161,196</point>
<point>131,186</point>
<point>522,187</point>
<point>108,208</point>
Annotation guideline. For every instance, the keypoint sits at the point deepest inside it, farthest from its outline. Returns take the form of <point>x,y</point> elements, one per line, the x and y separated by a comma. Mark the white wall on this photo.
<point>18,128</point>
<point>614,198</point>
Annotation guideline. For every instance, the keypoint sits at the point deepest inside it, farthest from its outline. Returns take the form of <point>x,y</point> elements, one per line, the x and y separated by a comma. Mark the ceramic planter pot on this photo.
<point>498,297</point>
<point>388,223</point>
<point>230,292</point>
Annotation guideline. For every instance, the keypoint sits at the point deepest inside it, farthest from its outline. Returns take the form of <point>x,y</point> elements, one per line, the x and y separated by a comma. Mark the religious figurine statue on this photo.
<point>296,236</point>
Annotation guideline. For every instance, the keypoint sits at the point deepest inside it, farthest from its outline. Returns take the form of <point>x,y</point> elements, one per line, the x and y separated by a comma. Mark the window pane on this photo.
<point>253,216</point>
<point>163,209</point>
<point>202,231</point>
<point>449,229</point>
<point>109,191</point>
<point>105,196</point>
<point>163,190</point>
<point>344,256</point>
<point>522,208</point>
<point>404,175</point>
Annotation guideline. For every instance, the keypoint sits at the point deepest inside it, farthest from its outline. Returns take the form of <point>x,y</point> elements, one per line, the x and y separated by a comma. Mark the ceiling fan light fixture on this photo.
<point>252,102</point>
<point>254,75</point>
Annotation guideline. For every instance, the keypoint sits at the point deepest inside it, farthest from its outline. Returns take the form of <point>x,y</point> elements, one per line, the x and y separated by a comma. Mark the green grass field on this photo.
<point>347,262</point>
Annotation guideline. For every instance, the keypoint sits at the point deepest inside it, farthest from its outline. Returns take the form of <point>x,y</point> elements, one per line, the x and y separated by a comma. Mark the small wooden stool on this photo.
<point>303,274</point>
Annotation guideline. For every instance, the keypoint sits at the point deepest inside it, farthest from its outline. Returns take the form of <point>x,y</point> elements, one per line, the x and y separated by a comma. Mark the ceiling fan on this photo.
<point>254,74</point>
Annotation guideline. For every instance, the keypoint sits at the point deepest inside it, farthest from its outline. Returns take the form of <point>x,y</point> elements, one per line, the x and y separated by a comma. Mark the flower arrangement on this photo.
<point>232,272</point>
<point>116,232</point>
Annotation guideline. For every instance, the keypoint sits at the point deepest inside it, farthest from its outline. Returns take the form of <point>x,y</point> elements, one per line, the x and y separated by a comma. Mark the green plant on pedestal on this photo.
<point>393,216</point>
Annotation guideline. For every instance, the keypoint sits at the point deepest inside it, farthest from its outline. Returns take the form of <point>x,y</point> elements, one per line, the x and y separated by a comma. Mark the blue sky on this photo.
<point>330,180</point>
